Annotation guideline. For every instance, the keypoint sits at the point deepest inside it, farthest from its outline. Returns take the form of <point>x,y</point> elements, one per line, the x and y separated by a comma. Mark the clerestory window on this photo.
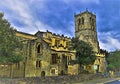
<point>82,21</point>
<point>79,22</point>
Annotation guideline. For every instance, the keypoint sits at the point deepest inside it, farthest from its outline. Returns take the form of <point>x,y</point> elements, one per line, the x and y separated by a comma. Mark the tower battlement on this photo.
<point>100,54</point>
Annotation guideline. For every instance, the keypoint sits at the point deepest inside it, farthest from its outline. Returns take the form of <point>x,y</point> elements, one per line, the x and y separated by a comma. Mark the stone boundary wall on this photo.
<point>52,80</point>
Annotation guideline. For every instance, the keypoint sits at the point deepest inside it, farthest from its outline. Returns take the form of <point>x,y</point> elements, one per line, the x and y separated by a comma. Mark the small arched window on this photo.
<point>79,21</point>
<point>99,60</point>
<point>82,21</point>
<point>90,21</point>
<point>38,64</point>
<point>38,49</point>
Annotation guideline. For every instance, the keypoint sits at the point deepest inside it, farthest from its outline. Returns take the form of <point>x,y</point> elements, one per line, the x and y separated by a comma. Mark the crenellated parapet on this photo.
<point>81,13</point>
<point>100,55</point>
<point>58,42</point>
<point>50,34</point>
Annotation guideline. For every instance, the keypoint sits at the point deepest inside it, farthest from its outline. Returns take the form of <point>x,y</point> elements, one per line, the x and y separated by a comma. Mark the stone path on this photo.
<point>99,81</point>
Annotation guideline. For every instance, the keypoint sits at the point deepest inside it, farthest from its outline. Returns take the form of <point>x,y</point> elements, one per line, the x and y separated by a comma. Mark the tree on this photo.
<point>84,52</point>
<point>104,52</point>
<point>114,60</point>
<point>8,43</point>
<point>8,40</point>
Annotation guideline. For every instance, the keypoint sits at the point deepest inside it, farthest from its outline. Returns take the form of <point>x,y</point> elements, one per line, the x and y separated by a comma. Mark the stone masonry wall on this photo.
<point>53,80</point>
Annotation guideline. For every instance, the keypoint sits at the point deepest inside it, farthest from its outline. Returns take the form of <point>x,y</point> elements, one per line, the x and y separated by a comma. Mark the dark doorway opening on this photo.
<point>62,73</point>
<point>64,61</point>
<point>43,74</point>
<point>97,69</point>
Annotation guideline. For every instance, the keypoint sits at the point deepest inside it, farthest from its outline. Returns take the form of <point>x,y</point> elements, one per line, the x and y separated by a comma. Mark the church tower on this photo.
<point>85,29</point>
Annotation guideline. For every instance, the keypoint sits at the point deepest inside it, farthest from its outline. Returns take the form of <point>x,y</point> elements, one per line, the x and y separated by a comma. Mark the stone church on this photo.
<point>48,54</point>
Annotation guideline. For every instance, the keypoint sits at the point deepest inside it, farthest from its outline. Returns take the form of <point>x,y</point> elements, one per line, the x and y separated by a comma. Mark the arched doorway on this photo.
<point>62,72</point>
<point>43,74</point>
<point>96,68</point>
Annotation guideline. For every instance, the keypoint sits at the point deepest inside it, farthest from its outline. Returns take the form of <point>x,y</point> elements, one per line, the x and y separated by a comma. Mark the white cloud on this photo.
<point>17,7</point>
<point>20,11</point>
<point>42,27</point>
<point>82,1</point>
<point>71,28</point>
<point>90,1</point>
<point>110,43</point>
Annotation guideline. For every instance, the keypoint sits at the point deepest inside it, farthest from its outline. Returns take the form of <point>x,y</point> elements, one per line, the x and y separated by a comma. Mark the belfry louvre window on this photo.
<point>82,21</point>
<point>38,63</point>
<point>79,21</point>
<point>90,21</point>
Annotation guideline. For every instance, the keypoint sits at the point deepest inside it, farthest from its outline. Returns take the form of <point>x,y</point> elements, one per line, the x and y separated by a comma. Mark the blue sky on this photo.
<point>57,16</point>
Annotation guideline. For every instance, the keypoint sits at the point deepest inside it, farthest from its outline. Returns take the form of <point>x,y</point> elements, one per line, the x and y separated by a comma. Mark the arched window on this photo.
<point>82,21</point>
<point>90,21</point>
<point>38,64</point>
<point>79,22</point>
<point>38,49</point>
<point>99,60</point>
<point>43,74</point>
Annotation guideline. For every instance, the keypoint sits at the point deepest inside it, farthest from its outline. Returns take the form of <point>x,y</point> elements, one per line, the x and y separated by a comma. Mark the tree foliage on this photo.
<point>84,52</point>
<point>8,40</point>
<point>114,60</point>
<point>15,59</point>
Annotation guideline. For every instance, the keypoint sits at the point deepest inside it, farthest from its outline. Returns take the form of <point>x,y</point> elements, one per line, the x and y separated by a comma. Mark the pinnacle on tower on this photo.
<point>86,9</point>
